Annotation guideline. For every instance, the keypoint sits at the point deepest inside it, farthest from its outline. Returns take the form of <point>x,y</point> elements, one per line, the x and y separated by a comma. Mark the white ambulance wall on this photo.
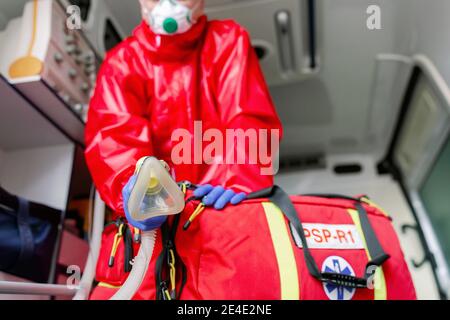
<point>10,9</point>
<point>127,13</point>
<point>420,28</point>
<point>330,113</point>
<point>430,32</point>
<point>41,174</point>
<point>3,21</point>
<point>352,106</point>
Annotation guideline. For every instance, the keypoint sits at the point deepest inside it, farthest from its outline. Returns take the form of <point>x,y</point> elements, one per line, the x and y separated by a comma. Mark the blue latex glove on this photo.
<point>219,197</point>
<point>148,225</point>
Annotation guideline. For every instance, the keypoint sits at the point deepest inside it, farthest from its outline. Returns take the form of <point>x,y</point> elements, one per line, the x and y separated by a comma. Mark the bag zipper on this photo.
<point>123,232</point>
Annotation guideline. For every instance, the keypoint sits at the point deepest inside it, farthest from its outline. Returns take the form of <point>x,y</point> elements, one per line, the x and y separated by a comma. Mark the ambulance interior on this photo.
<point>365,106</point>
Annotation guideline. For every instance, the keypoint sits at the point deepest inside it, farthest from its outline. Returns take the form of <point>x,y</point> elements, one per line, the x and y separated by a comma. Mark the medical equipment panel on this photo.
<point>61,56</point>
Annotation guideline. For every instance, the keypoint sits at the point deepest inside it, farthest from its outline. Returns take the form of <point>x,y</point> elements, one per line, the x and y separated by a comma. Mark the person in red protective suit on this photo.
<point>152,84</point>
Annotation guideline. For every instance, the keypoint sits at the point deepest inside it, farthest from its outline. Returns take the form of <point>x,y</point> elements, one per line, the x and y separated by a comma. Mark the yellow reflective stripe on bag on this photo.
<point>287,265</point>
<point>108,286</point>
<point>380,291</point>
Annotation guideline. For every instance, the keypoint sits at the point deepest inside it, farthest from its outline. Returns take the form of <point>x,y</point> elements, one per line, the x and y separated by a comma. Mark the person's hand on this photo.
<point>219,197</point>
<point>148,225</point>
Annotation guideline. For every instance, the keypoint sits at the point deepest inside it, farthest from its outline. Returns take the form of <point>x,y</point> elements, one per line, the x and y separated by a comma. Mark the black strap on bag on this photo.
<point>168,240</point>
<point>128,246</point>
<point>281,199</point>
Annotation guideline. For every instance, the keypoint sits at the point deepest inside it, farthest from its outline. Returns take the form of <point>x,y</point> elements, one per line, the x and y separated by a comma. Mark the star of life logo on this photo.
<point>335,264</point>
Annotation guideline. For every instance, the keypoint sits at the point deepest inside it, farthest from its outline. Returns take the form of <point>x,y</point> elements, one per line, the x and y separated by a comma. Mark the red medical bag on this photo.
<point>257,251</point>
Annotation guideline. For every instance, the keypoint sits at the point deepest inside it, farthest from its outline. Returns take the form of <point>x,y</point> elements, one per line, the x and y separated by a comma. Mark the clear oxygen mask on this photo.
<point>155,193</point>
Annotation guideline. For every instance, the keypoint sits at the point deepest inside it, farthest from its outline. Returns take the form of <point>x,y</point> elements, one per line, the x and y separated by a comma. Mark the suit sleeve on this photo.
<point>245,104</point>
<point>117,131</point>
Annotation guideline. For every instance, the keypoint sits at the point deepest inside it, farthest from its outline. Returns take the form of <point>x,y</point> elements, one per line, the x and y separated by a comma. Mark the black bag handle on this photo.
<point>281,199</point>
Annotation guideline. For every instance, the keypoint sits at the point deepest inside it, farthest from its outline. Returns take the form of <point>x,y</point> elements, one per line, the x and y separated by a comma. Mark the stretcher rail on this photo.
<point>7,287</point>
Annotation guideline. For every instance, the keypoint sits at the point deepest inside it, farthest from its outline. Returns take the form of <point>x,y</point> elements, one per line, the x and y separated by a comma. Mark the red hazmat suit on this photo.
<point>151,85</point>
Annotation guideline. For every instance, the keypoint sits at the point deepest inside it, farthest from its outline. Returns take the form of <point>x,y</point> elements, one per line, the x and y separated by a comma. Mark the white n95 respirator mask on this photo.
<point>169,17</point>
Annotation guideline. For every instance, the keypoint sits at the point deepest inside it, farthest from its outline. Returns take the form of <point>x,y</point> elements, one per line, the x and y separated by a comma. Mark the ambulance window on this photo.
<point>435,194</point>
